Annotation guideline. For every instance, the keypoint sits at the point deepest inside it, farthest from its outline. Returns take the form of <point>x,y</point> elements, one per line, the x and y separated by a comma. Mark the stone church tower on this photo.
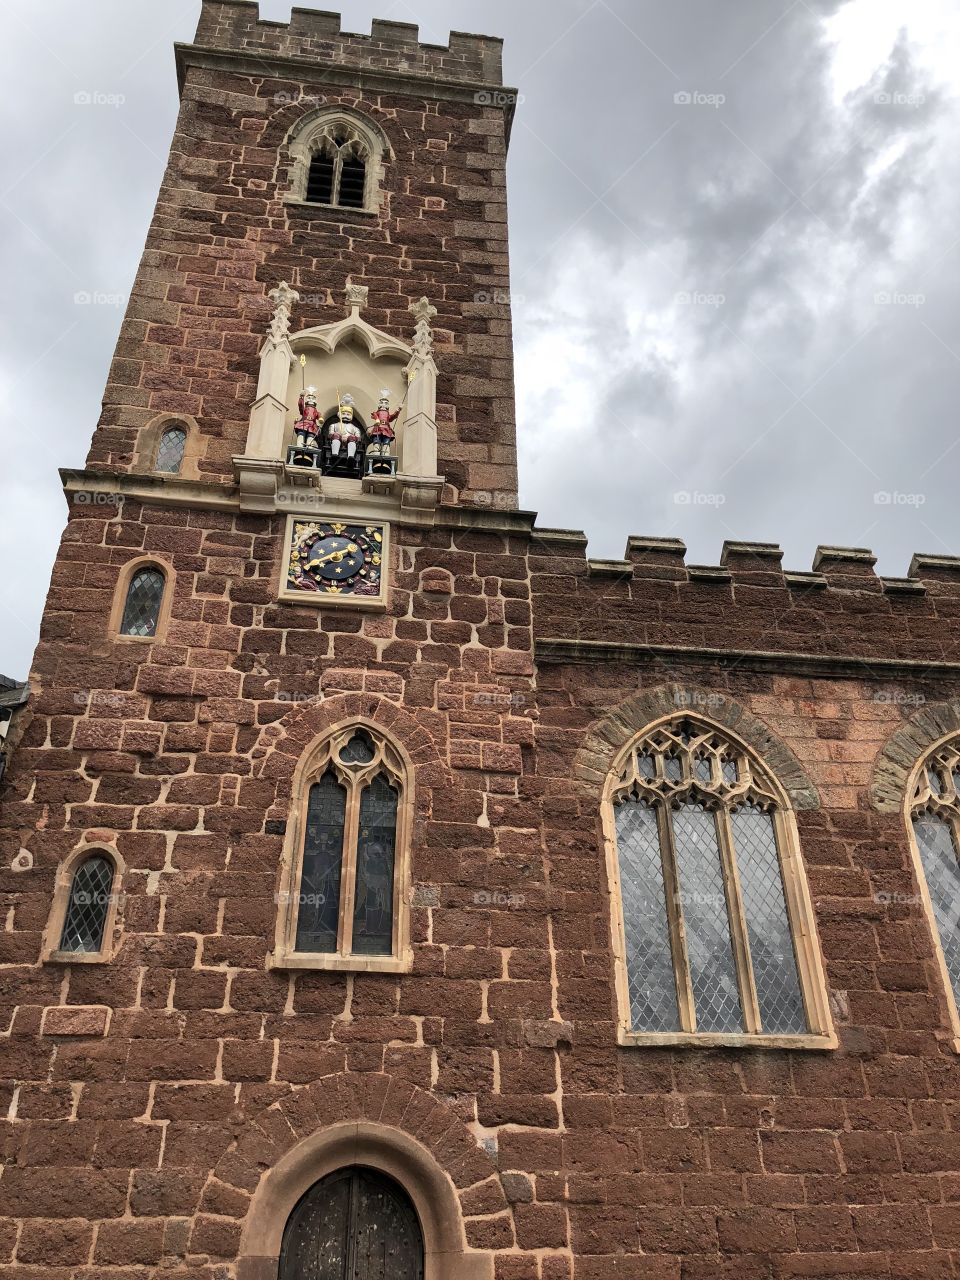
<point>391,891</point>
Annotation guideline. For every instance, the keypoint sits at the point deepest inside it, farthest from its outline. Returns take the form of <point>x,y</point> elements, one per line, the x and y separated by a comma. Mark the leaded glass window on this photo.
<point>170,451</point>
<point>347,885</point>
<point>88,906</point>
<point>711,937</point>
<point>935,814</point>
<point>141,612</point>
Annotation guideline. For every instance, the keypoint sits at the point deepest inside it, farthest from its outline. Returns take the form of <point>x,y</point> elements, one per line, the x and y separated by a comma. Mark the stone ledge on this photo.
<point>553,649</point>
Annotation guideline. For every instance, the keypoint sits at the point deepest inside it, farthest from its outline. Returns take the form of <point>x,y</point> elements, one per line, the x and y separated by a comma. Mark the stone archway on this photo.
<point>375,1121</point>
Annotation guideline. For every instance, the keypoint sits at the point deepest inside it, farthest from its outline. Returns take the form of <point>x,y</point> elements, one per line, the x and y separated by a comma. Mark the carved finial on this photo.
<point>283,299</point>
<point>423,335</point>
<point>357,295</point>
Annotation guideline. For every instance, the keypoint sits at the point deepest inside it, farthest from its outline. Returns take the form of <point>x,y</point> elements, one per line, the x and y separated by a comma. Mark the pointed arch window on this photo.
<point>338,172</point>
<point>712,919</point>
<point>344,901</point>
<point>935,825</point>
<point>143,603</point>
<point>338,157</point>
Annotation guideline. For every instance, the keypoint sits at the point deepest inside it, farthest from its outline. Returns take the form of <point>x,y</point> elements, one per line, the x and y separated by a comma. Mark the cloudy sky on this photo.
<point>736,262</point>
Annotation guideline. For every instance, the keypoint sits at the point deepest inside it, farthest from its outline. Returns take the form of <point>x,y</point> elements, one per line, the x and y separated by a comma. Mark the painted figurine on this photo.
<point>382,434</point>
<point>308,424</point>
<point>343,429</point>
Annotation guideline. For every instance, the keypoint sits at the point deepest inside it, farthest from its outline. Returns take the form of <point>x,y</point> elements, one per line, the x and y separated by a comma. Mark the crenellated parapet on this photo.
<point>840,616</point>
<point>236,26</point>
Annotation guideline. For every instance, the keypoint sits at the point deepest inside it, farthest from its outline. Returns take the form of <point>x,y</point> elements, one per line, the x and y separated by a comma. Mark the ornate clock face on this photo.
<point>336,558</point>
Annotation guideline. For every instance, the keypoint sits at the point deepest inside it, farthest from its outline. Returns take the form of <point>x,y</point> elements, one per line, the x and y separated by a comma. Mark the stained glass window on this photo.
<point>936,829</point>
<point>347,884</point>
<point>88,906</point>
<point>141,612</point>
<point>709,932</point>
<point>171,448</point>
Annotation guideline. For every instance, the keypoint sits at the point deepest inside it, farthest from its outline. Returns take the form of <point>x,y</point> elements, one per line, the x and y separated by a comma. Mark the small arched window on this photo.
<point>935,821</point>
<point>88,906</point>
<point>712,918</point>
<point>344,904</point>
<point>141,610</point>
<point>170,450</point>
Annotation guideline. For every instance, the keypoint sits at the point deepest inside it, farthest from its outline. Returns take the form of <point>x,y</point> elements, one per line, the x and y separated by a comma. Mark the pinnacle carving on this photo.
<point>283,298</point>
<point>423,335</point>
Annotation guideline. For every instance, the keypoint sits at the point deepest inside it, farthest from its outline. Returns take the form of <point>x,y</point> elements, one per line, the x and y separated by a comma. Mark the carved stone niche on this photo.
<point>350,357</point>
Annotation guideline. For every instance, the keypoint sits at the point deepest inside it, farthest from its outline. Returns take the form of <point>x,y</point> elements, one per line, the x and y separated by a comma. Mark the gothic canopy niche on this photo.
<point>343,401</point>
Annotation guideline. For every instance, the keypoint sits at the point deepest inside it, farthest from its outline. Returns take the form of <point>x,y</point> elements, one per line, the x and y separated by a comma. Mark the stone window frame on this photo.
<point>313,764</point>
<point>918,798</point>
<point>821,1034</point>
<point>60,903</point>
<point>320,124</point>
<point>127,574</point>
<point>148,445</point>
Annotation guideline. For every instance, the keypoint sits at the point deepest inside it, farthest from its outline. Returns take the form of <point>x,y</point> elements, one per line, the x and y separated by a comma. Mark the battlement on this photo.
<point>235,26</point>
<point>748,563</point>
<point>839,612</point>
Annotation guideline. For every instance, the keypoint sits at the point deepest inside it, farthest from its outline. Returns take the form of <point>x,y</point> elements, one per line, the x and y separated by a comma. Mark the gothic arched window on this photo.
<point>170,450</point>
<point>355,1222</point>
<point>712,918</point>
<point>935,823</point>
<point>143,603</point>
<point>337,174</point>
<point>339,156</point>
<point>343,903</point>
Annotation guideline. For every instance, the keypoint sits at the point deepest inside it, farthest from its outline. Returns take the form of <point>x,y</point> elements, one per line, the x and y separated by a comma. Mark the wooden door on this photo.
<point>355,1224</point>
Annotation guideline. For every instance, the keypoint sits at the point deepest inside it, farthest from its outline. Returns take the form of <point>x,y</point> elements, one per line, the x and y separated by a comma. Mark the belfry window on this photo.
<point>712,915</point>
<point>345,900</point>
<point>338,171</point>
<point>935,820</point>
<point>339,159</point>
<point>141,611</point>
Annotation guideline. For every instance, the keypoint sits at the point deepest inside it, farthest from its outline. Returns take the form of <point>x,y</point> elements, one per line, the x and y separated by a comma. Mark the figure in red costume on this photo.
<point>308,424</point>
<point>382,434</point>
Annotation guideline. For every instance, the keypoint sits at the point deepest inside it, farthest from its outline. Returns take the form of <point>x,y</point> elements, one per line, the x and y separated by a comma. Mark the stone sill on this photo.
<point>76,957</point>
<point>722,1040</point>
<point>331,212</point>
<point>341,964</point>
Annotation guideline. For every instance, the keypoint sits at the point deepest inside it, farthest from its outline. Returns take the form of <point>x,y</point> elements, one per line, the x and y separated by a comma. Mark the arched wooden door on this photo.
<point>355,1224</point>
